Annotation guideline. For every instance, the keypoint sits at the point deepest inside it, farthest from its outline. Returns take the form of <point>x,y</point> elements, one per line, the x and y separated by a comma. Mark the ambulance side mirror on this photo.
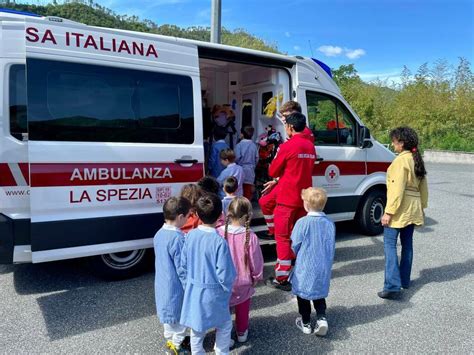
<point>364,138</point>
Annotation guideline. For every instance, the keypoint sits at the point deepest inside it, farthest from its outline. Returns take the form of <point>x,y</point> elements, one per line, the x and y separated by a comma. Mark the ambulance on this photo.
<point>99,126</point>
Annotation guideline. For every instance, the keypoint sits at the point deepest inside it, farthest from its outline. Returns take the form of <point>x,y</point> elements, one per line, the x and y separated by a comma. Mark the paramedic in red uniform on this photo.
<point>268,200</point>
<point>293,166</point>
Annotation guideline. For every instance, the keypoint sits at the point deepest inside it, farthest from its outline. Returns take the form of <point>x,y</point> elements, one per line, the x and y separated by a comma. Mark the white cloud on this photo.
<point>287,34</point>
<point>354,53</point>
<point>296,48</point>
<point>336,51</point>
<point>330,51</point>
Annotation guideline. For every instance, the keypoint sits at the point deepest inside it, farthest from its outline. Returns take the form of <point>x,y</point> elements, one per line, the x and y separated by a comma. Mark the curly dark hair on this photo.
<point>409,138</point>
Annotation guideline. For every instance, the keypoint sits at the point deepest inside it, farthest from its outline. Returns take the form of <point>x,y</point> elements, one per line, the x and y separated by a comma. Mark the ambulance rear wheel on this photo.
<point>123,265</point>
<point>371,209</point>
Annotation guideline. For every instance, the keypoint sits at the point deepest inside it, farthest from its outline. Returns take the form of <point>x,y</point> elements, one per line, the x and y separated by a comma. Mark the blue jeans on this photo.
<point>398,275</point>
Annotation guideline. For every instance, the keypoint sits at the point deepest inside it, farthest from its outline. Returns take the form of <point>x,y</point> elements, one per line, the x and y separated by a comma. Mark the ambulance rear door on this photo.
<point>115,128</point>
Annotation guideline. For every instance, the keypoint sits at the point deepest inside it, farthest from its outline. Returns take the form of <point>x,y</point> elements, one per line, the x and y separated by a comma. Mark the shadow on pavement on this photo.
<point>426,228</point>
<point>97,306</point>
<point>359,268</point>
<point>74,301</point>
<point>359,252</point>
<point>264,330</point>
<point>439,274</point>
<point>6,269</point>
<point>53,276</point>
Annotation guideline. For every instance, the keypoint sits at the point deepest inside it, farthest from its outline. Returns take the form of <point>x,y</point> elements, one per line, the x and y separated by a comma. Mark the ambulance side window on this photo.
<point>17,101</point>
<point>81,102</point>
<point>329,120</point>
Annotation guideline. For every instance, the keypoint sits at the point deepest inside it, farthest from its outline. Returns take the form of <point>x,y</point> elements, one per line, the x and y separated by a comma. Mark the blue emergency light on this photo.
<point>16,12</point>
<point>324,66</point>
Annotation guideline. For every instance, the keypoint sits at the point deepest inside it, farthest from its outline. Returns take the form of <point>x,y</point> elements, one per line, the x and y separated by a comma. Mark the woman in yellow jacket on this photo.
<point>407,196</point>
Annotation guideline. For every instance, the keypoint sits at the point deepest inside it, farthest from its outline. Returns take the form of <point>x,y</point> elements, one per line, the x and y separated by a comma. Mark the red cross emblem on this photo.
<point>332,173</point>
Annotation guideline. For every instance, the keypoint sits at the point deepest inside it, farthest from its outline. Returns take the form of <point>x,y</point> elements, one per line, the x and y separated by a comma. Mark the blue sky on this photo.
<point>378,36</point>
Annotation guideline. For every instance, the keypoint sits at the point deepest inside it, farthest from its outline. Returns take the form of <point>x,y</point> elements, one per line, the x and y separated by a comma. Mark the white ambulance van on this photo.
<point>98,127</point>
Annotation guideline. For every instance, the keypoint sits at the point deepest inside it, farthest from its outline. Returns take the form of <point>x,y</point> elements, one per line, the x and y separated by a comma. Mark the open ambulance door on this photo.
<point>115,128</point>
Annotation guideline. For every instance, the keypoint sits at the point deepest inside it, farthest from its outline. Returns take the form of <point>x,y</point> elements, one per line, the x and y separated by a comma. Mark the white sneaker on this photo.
<point>305,328</point>
<point>231,344</point>
<point>243,338</point>
<point>321,327</point>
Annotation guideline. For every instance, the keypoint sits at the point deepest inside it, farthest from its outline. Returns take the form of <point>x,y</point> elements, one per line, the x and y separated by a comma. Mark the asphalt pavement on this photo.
<point>61,307</point>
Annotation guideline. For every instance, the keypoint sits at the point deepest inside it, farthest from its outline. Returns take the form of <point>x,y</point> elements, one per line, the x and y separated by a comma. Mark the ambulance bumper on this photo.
<point>12,232</point>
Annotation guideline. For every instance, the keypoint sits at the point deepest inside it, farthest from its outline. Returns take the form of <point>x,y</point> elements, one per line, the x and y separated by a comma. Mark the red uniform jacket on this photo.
<point>308,133</point>
<point>293,164</point>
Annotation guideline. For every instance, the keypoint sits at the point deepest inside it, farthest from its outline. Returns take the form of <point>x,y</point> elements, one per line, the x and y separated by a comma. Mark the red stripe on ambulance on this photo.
<point>375,167</point>
<point>87,174</point>
<point>347,168</point>
<point>6,176</point>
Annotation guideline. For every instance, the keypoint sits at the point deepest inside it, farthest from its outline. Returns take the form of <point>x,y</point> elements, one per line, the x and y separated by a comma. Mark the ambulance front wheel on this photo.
<point>371,208</point>
<point>124,265</point>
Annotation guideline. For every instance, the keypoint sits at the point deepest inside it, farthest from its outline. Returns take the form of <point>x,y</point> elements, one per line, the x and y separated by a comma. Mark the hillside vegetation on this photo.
<point>437,100</point>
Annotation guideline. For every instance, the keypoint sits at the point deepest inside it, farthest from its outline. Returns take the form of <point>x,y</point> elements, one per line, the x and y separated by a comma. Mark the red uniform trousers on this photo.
<point>285,220</point>
<point>267,204</point>
<point>248,191</point>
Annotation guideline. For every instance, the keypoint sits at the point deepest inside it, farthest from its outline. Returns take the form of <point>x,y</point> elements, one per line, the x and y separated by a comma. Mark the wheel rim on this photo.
<point>123,260</point>
<point>376,211</point>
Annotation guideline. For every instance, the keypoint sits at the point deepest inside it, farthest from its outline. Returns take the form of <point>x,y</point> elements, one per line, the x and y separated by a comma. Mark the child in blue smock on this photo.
<point>215,165</point>
<point>246,153</point>
<point>313,242</point>
<point>231,169</point>
<point>230,187</point>
<point>169,276</point>
<point>210,274</point>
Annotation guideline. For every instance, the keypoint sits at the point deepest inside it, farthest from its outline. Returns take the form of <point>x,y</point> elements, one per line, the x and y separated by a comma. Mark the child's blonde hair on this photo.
<point>192,193</point>
<point>240,209</point>
<point>315,198</point>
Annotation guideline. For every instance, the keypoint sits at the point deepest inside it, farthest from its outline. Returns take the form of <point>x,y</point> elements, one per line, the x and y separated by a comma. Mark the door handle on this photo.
<point>318,159</point>
<point>186,161</point>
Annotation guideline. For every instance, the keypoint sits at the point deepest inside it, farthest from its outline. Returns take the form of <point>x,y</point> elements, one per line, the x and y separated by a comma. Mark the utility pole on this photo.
<point>216,21</point>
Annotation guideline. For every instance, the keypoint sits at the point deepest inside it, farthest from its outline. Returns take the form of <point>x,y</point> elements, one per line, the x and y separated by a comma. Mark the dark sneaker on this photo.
<point>321,328</point>
<point>388,295</point>
<point>273,283</point>
<point>186,344</point>
<point>305,328</point>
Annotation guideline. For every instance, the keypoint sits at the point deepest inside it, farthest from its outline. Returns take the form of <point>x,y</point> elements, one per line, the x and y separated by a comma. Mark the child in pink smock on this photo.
<point>248,261</point>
